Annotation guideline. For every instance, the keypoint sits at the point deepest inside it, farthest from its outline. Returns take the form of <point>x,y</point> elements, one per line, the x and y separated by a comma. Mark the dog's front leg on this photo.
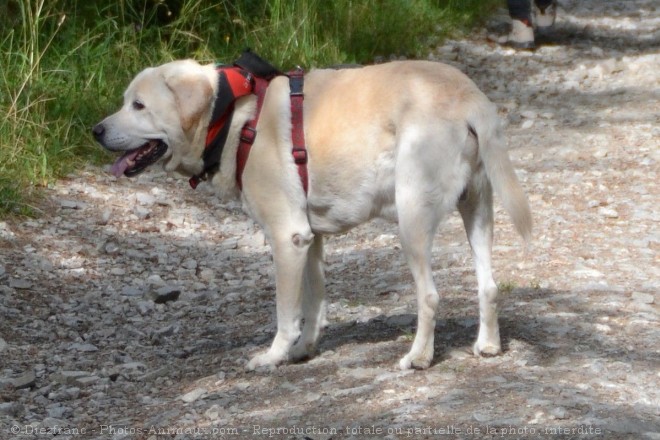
<point>313,302</point>
<point>290,255</point>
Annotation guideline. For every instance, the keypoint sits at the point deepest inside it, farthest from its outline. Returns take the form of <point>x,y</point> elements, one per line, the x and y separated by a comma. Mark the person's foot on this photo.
<point>545,18</point>
<point>521,36</point>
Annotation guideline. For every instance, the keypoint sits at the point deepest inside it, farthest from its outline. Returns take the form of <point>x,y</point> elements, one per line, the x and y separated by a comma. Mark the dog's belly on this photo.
<point>341,217</point>
<point>353,196</point>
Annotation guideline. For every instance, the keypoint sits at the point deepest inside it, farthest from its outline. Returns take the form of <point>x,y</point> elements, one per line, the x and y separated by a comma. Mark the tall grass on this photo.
<point>64,63</point>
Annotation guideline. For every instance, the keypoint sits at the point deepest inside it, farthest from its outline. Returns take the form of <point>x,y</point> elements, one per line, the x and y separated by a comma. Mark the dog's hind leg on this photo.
<point>418,219</point>
<point>417,227</point>
<point>477,212</point>
<point>312,302</point>
<point>431,172</point>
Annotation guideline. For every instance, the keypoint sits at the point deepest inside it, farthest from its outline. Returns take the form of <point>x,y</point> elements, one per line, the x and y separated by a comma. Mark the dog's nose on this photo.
<point>98,131</point>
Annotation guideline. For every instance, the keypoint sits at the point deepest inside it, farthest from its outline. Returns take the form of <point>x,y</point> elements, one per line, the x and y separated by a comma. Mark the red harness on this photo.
<point>296,81</point>
<point>242,83</point>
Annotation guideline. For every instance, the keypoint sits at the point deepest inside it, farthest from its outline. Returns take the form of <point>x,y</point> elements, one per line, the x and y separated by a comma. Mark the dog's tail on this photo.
<point>485,124</point>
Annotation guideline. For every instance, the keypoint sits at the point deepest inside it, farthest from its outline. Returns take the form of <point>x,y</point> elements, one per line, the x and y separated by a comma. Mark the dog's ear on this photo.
<point>193,93</point>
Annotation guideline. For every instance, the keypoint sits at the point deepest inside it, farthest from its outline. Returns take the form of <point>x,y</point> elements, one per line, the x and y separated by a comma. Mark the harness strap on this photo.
<point>233,83</point>
<point>296,81</point>
<point>249,131</point>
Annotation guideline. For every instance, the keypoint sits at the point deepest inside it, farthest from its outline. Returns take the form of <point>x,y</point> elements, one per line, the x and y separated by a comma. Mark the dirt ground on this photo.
<point>129,309</point>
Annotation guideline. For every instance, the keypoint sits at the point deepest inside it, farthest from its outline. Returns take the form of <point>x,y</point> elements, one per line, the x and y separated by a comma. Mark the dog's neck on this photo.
<point>224,181</point>
<point>246,77</point>
<point>233,83</point>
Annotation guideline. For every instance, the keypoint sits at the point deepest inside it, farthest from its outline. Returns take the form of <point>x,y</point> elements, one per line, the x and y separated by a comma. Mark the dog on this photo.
<point>407,141</point>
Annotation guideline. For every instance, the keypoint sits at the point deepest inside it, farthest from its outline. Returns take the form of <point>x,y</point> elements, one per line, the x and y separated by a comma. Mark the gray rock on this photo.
<point>88,348</point>
<point>163,371</point>
<point>560,413</point>
<point>213,413</point>
<point>207,274</point>
<point>20,284</point>
<point>640,297</point>
<point>52,424</point>
<point>105,217</point>
<point>72,377</point>
<point>156,280</point>
<point>482,417</point>
<point>404,320</point>
<point>164,418</point>
<point>11,409</point>
<point>193,395</point>
<point>601,153</point>
<point>72,204</point>
<point>141,212</point>
<point>111,248</point>
<point>27,380</point>
<point>145,199</point>
<point>608,212</point>
<point>165,294</point>
<point>353,391</point>
<point>253,240</point>
<point>190,264</point>
<point>529,114</point>
<point>58,411</point>
<point>88,381</point>
<point>133,366</point>
<point>145,307</point>
<point>6,233</point>
<point>136,254</point>
<point>132,291</point>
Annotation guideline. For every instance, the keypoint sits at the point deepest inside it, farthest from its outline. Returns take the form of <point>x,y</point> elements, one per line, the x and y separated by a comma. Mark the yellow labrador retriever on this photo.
<point>407,141</point>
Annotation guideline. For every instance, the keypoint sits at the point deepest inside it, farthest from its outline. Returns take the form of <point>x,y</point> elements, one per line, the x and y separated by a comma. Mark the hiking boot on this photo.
<point>545,18</point>
<point>521,36</point>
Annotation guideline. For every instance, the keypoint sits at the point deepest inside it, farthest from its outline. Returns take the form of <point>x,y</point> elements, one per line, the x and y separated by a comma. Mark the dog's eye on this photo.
<point>138,105</point>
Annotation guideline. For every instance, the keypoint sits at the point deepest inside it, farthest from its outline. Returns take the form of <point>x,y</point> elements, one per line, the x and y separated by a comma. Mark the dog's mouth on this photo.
<point>135,161</point>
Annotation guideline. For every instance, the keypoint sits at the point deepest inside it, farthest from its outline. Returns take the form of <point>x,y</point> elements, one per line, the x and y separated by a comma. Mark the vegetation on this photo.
<point>63,63</point>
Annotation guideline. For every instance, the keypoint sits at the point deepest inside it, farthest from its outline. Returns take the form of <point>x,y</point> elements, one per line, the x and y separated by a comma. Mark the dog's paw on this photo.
<point>486,350</point>
<point>410,361</point>
<point>266,360</point>
<point>302,352</point>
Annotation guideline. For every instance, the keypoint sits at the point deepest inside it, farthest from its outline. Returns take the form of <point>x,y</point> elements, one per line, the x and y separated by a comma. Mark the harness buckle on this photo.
<point>296,81</point>
<point>248,134</point>
<point>299,156</point>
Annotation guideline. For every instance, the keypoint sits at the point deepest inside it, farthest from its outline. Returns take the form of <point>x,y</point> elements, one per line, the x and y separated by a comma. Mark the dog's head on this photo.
<point>164,118</point>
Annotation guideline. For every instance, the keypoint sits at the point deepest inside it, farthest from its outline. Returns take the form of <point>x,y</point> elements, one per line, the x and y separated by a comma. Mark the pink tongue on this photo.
<point>121,164</point>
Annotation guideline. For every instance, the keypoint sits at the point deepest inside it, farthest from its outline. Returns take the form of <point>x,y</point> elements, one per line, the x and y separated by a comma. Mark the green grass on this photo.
<point>506,287</point>
<point>64,63</point>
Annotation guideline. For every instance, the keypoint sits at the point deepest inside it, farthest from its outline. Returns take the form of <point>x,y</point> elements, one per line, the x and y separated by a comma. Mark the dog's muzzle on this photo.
<point>133,162</point>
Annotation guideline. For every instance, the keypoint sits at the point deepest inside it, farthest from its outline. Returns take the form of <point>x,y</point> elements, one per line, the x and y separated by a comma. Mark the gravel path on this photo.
<point>130,308</point>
